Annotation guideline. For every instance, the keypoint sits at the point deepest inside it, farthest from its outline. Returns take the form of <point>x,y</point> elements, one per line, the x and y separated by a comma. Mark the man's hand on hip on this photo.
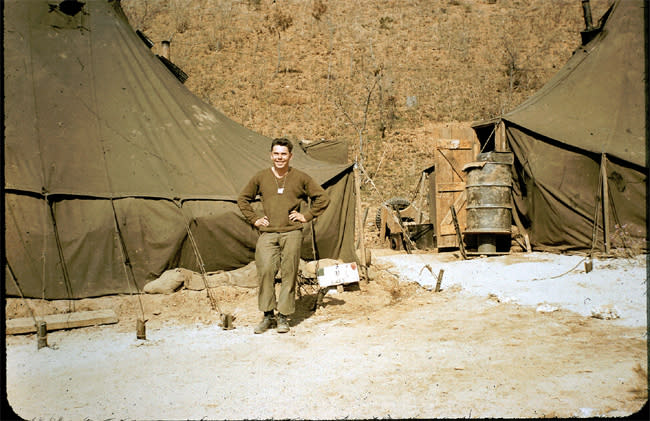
<point>262,222</point>
<point>297,216</point>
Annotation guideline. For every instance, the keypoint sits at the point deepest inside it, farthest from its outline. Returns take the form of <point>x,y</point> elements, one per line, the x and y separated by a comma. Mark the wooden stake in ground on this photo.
<point>140,329</point>
<point>439,281</point>
<point>458,234</point>
<point>41,333</point>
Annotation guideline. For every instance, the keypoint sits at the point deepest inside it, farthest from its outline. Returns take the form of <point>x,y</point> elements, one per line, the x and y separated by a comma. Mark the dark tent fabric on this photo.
<point>335,151</point>
<point>595,105</point>
<point>109,159</point>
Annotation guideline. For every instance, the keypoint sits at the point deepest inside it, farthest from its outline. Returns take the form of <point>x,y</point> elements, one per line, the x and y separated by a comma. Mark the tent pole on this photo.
<point>605,198</point>
<point>421,196</point>
<point>500,142</point>
<point>360,230</point>
<point>586,12</point>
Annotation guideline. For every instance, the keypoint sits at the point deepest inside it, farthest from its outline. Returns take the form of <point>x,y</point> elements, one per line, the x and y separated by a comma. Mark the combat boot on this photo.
<point>283,323</point>
<point>267,322</point>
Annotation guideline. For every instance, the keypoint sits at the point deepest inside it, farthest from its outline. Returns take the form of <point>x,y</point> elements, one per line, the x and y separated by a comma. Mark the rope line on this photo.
<point>10,214</point>
<point>59,248</point>
<point>20,291</point>
<point>213,301</point>
<point>562,274</point>
<point>598,206</point>
<point>126,262</point>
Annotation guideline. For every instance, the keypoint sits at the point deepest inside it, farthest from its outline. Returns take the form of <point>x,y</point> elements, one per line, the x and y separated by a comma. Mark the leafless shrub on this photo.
<point>515,74</point>
<point>387,103</point>
<point>276,23</point>
<point>138,13</point>
<point>217,33</point>
<point>385,22</point>
<point>214,40</point>
<point>255,4</point>
<point>181,14</point>
<point>318,9</point>
<point>360,124</point>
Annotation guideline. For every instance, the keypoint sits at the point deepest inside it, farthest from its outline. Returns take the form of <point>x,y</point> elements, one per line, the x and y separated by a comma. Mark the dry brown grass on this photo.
<point>381,71</point>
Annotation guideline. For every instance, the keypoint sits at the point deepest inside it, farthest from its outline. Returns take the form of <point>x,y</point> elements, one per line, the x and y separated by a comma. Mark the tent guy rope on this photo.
<point>226,318</point>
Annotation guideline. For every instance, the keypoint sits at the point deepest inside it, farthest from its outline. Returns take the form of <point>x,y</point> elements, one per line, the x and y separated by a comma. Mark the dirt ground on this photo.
<point>383,349</point>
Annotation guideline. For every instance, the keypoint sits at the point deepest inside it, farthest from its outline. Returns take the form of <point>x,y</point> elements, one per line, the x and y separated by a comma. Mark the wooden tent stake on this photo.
<point>41,330</point>
<point>439,280</point>
<point>140,329</point>
<point>458,234</point>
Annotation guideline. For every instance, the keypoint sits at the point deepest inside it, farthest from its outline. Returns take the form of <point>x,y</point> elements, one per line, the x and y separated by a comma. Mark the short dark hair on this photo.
<point>282,141</point>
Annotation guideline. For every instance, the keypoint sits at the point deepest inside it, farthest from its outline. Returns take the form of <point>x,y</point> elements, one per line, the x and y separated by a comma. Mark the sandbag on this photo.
<point>170,281</point>
<point>196,282</point>
<point>243,277</point>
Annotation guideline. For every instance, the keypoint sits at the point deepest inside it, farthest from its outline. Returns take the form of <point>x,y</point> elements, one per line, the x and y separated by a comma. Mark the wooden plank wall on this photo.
<point>452,147</point>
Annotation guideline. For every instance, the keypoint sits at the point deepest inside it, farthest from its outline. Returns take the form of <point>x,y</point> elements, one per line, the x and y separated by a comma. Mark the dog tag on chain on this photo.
<point>280,190</point>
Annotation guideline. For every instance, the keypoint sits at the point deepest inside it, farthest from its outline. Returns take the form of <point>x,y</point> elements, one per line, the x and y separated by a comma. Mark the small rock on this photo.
<point>605,312</point>
<point>546,308</point>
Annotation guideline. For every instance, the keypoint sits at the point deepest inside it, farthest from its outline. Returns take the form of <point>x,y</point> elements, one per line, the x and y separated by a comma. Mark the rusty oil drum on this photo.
<point>488,188</point>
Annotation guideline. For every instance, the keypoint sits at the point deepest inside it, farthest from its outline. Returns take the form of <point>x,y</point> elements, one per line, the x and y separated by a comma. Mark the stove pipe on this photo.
<point>586,12</point>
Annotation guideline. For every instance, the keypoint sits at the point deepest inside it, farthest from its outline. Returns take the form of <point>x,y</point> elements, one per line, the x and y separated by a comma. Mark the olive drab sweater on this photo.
<point>280,197</point>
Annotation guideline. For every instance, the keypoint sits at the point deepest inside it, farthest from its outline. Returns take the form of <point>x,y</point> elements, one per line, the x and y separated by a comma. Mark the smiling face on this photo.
<point>281,156</point>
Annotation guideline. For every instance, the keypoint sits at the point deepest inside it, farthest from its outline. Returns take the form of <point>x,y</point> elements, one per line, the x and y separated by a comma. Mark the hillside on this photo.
<point>381,72</point>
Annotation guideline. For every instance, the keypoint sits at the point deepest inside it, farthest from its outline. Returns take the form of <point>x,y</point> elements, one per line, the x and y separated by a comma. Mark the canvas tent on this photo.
<point>334,151</point>
<point>109,160</point>
<point>592,112</point>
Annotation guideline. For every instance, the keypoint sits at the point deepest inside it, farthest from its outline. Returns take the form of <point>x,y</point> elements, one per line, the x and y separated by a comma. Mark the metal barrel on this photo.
<point>488,188</point>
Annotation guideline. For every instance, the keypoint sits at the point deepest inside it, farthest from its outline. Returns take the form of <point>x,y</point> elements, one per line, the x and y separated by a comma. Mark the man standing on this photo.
<point>282,189</point>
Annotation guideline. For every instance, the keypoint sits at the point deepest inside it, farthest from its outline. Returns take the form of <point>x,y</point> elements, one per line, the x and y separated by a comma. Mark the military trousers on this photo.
<point>278,250</point>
